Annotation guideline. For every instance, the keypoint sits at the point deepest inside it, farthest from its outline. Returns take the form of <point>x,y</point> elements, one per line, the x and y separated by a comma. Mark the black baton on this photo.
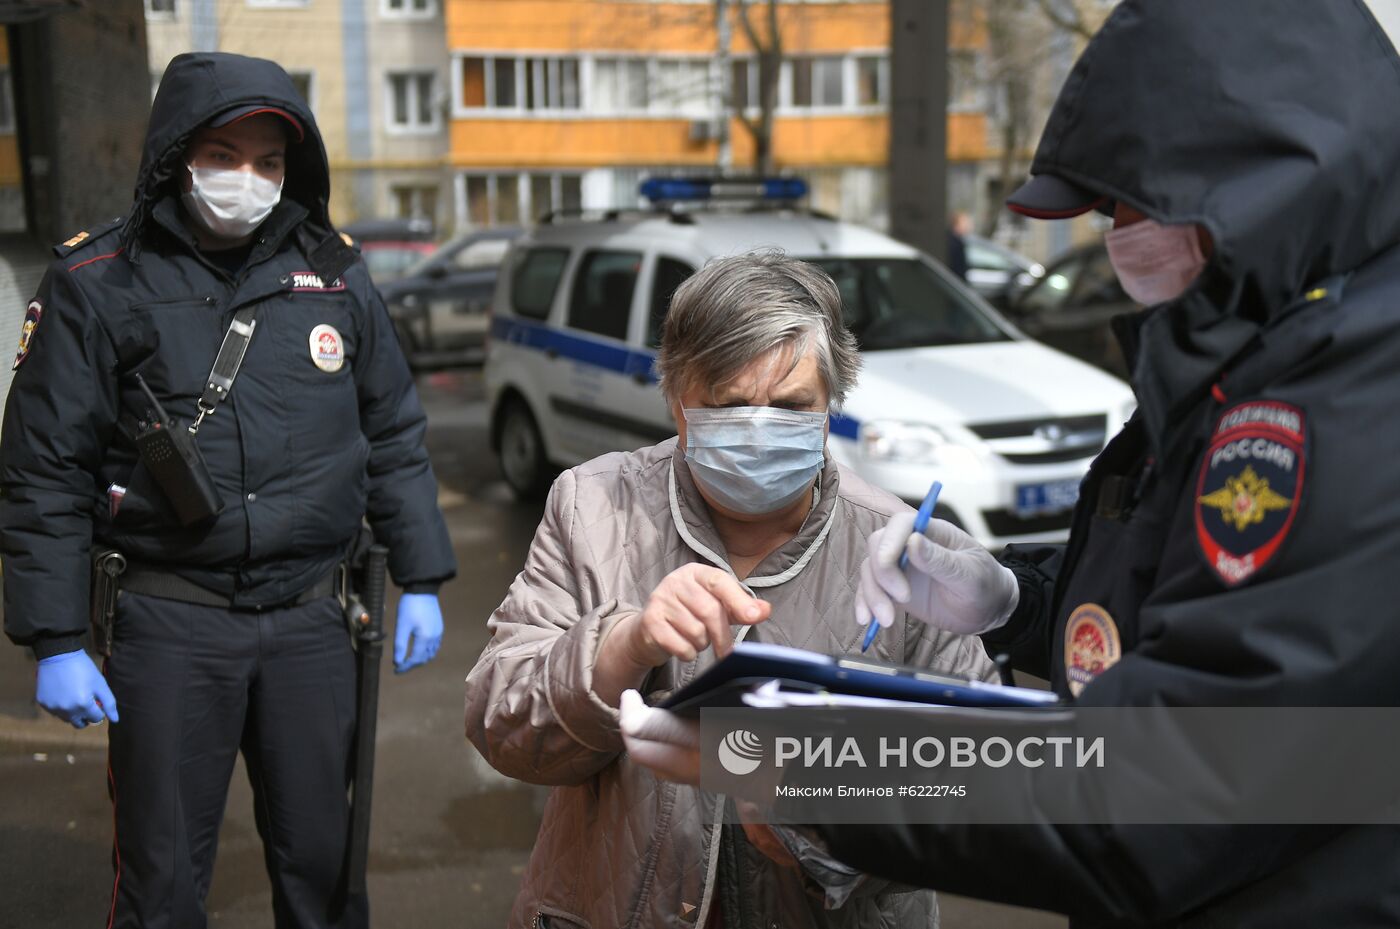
<point>370,633</point>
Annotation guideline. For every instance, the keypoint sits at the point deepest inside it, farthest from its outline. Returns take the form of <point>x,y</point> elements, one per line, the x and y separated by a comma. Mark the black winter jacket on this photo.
<point>1242,530</point>
<point>300,454</point>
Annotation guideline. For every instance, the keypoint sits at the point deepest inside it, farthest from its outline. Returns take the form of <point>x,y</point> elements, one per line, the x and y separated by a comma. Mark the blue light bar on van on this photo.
<point>673,189</point>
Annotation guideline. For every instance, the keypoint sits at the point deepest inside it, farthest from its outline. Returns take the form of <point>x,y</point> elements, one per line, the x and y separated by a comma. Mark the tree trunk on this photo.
<point>770,61</point>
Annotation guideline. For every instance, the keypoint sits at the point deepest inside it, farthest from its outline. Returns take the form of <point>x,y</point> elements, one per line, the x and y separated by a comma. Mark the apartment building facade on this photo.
<point>372,71</point>
<point>560,104</point>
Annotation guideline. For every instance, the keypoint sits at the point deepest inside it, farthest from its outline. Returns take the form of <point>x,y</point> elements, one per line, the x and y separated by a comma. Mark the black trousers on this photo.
<point>194,685</point>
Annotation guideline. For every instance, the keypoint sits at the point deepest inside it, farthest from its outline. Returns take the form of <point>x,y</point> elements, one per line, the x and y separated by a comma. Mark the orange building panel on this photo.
<point>581,143</point>
<point>510,143</point>
<point>626,26</point>
<point>621,25</point>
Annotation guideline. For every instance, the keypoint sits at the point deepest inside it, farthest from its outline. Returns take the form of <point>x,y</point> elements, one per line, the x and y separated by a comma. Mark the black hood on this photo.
<point>196,88</point>
<point>1273,123</point>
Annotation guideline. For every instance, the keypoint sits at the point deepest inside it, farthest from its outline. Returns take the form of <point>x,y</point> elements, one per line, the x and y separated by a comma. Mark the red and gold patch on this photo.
<point>1250,486</point>
<point>1092,645</point>
<point>32,314</point>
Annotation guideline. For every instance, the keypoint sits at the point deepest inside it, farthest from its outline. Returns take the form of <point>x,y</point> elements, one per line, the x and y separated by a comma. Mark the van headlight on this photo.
<point>887,440</point>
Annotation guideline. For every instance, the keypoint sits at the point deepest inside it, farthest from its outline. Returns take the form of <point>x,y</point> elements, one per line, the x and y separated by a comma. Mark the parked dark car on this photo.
<point>391,260</point>
<point>440,305</point>
<point>996,272</point>
<point>392,246</point>
<point>1070,307</point>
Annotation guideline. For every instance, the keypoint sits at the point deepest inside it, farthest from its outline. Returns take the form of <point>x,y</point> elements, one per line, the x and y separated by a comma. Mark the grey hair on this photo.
<point>736,309</point>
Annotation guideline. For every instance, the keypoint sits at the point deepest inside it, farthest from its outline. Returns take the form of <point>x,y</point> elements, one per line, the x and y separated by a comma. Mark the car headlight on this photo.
<point>886,440</point>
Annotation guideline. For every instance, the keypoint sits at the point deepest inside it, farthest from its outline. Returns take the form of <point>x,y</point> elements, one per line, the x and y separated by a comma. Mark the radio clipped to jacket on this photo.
<point>170,451</point>
<point>173,459</point>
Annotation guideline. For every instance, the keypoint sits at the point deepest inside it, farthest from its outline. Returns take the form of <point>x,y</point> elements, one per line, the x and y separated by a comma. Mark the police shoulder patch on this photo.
<point>32,314</point>
<point>1250,487</point>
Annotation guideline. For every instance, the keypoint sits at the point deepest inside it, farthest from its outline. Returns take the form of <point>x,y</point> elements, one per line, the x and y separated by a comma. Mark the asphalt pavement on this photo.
<point>450,836</point>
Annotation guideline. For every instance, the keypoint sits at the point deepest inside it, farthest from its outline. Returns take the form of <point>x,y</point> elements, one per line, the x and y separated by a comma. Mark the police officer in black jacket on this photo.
<point>1236,544</point>
<point>229,633</point>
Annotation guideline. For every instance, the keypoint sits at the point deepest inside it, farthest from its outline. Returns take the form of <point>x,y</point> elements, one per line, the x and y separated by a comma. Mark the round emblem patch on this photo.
<point>1250,484</point>
<point>32,314</point>
<point>327,348</point>
<point>1092,645</point>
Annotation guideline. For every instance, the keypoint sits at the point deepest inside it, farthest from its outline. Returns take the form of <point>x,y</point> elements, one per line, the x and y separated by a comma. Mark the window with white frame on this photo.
<point>816,82</point>
<point>407,9</point>
<point>965,86</point>
<point>550,83</point>
<point>529,84</point>
<point>619,85</point>
<point>744,84</point>
<point>682,86</point>
<point>410,103</point>
<point>508,198</point>
<point>7,103</point>
<point>305,83</point>
<point>415,201</point>
<point>160,9</point>
<point>872,80</point>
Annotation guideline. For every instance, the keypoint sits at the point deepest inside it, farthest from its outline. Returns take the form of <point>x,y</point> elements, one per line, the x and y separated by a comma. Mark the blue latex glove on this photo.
<point>70,687</point>
<point>420,618</point>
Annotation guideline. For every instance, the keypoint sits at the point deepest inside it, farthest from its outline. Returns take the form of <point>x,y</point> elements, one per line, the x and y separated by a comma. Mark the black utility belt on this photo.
<point>155,582</point>
<point>112,573</point>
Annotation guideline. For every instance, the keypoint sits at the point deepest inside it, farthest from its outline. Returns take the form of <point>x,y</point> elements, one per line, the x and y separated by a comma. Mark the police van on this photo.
<point>948,390</point>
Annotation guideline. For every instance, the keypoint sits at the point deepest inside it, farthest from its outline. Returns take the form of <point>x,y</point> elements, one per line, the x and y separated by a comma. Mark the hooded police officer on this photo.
<point>229,632</point>
<point>1234,545</point>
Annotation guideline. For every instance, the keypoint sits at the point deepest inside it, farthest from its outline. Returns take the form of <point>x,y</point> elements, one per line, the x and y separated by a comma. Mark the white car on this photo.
<point>949,390</point>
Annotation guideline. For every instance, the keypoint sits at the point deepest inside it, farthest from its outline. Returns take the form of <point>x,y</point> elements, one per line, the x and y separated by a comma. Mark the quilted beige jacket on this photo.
<point>618,848</point>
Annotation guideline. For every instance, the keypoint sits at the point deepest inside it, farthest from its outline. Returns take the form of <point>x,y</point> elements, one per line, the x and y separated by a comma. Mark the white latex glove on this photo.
<point>953,583</point>
<point>660,740</point>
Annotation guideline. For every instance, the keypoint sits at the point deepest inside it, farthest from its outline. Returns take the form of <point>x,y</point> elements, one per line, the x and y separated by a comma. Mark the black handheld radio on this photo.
<point>173,459</point>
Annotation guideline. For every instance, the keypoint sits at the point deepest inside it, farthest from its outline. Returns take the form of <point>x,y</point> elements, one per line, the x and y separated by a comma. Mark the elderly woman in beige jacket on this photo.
<point>646,567</point>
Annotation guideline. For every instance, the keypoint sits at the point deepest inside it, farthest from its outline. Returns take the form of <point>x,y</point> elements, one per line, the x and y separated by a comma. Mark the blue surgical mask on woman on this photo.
<point>754,459</point>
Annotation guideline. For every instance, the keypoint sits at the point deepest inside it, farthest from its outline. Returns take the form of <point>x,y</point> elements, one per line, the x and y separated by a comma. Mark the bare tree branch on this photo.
<point>770,57</point>
<point>1069,23</point>
<point>747,25</point>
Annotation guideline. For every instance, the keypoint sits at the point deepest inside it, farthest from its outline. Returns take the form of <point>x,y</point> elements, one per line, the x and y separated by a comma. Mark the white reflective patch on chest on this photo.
<point>327,348</point>
<point>303,281</point>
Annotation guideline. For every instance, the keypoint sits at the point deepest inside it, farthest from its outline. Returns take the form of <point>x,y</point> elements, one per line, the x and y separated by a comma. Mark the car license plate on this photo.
<point>1050,497</point>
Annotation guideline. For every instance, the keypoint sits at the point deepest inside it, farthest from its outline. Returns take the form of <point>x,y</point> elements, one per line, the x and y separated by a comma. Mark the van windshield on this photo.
<point>894,303</point>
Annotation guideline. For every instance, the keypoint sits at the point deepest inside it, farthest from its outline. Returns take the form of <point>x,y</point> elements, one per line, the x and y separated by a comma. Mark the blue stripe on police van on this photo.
<point>609,357</point>
<point>584,350</point>
<point>845,426</point>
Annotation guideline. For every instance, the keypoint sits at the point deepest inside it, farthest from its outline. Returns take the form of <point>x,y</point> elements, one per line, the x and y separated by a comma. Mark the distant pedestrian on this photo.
<point>959,228</point>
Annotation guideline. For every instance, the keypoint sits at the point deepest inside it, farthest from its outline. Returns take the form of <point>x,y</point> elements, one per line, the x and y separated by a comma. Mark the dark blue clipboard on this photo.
<point>755,663</point>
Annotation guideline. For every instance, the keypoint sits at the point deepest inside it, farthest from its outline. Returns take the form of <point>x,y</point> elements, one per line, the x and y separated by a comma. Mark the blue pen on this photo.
<point>920,524</point>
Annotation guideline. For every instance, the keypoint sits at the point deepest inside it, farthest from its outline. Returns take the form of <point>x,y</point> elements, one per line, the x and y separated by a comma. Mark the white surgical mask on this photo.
<point>754,459</point>
<point>1155,263</point>
<point>230,204</point>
